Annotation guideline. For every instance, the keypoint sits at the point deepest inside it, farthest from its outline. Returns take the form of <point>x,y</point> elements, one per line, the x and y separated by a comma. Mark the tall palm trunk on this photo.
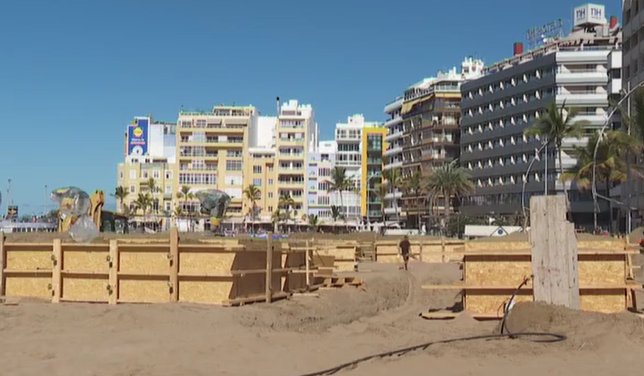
<point>447,212</point>
<point>561,172</point>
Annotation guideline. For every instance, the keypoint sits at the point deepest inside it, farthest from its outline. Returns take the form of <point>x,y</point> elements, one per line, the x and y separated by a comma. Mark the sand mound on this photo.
<point>587,328</point>
<point>330,308</point>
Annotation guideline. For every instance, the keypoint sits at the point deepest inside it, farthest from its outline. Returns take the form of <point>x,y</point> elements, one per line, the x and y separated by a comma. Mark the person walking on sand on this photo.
<point>404,247</point>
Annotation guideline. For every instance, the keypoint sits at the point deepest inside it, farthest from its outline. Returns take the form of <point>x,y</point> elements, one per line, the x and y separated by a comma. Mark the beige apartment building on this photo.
<point>211,147</point>
<point>149,153</point>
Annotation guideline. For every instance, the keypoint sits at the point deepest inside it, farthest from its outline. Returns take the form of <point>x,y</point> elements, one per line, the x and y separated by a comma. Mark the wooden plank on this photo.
<point>56,277</point>
<point>269,267</point>
<point>554,252</point>
<point>2,264</point>
<point>174,264</point>
<point>307,266</point>
<point>113,272</point>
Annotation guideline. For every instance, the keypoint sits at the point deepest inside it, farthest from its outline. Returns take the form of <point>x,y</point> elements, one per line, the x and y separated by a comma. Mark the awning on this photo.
<point>407,106</point>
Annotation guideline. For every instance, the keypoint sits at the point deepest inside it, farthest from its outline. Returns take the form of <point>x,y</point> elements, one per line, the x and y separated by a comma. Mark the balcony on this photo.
<point>394,165</point>
<point>291,170</point>
<point>393,151</point>
<point>393,136</point>
<point>290,183</point>
<point>391,122</point>
<point>198,168</point>
<point>580,76</point>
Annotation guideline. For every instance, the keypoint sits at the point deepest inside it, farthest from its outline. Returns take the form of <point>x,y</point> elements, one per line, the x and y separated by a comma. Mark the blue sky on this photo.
<point>73,73</point>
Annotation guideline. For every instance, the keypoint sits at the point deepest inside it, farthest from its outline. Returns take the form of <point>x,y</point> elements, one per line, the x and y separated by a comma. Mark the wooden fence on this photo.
<point>122,272</point>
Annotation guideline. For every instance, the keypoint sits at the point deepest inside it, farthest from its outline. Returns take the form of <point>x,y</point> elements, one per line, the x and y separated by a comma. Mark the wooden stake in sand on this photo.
<point>269,267</point>
<point>2,258</point>
<point>554,252</point>
<point>174,264</point>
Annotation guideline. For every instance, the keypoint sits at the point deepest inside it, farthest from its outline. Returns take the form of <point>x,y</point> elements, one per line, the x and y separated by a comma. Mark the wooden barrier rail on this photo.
<point>154,272</point>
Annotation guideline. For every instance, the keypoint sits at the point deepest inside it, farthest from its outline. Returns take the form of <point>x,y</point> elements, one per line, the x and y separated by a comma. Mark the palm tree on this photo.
<point>610,164</point>
<point>252,194</point>
<point>413,187</point>
<point>336,213</point>
<point>186,195</point>
<point>275,218</point>
<point>143,203</point>
<point>381,190</point>
<point>394,183</point>
<point>313,222</point>
<point>449,181</point>
<point>284,205</point>
<point>120,193</point>
<point>555,125</point>
<point>340,182</point>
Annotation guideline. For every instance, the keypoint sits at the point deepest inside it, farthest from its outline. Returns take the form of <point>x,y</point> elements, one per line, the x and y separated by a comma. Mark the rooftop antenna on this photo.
<point>277,100</point>
<point>9,199</point>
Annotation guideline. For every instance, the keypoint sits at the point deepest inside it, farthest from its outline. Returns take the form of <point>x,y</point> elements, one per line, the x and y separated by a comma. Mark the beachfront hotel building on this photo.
<point>149,153</point>
<point>631,193</point>
<point>430,115</point>
<point>576,71</point>
<point>259,170</point>
<point>211,150</point>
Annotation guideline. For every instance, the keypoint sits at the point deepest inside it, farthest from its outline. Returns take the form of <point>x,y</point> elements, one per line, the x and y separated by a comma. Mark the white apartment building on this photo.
<point>296,140</point>
<point>348,137</point>
<point>319,197</point>
<point>393,156</point>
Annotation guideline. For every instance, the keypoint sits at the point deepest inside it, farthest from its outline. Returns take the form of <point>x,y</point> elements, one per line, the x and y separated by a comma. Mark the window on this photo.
<point>233,165</point>
<point>156,174</point>
<point>270,181</point>
<point>132,189</point>
<point>270,209</point>
<point>132,174</point>
<point>234,153</point>
<point>257,169</point>
<point>168,189</point>
<point>270,167</point>
<point>121,175</point>
<point>270,194</point>
<point>257,182</point>
<point>168,174</point>
<point>145,175</point>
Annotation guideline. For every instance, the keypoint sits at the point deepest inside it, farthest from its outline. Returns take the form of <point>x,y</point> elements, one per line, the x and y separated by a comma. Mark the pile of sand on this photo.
<point>588,329</point>
<point>330,308</point>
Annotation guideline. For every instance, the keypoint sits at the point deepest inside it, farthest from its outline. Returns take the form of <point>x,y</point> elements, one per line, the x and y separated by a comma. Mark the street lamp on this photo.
<point>377,174</point>
<point>599,138</point>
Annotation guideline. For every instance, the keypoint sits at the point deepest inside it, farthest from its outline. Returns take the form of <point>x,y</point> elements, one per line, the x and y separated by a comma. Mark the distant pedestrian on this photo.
<point>404,248</point>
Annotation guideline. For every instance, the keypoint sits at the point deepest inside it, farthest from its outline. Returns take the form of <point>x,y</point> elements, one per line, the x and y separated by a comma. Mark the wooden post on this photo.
<point>442,248</point>
<point>2,263</point>
<point>306,257</point>
<point>554,252</point>
<point>269,267</point>
<point>57,262</point>
<point>174,264</point>
<point>420,254</point>
<point>113,273</point>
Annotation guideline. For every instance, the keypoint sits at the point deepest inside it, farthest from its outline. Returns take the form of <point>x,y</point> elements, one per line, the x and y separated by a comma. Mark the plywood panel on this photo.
<point>497,246</point>
<point>602,273</point>
<point>344,266</point>
<point>32,287</point>
<point>86,289</point>
<point>28,259</point>
<point>606,303</point>
<point>85,261</point>
<point>491,304</point>
<point>205,263</point>
<point>340,252</point>
<point>207,292</point>
<point>144,291</point>
<point>144,262</point>
<point>496,272</point>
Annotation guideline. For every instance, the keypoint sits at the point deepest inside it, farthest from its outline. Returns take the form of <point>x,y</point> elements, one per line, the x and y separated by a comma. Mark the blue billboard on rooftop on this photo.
<point>137,137</point>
